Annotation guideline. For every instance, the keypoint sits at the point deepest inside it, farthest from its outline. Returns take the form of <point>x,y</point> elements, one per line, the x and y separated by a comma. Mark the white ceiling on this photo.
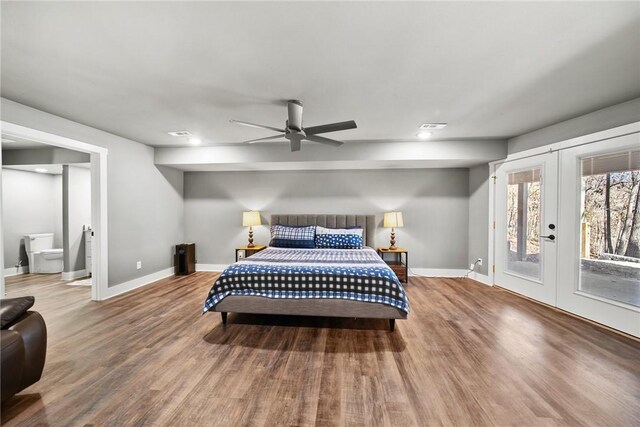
<point>491,70</point>
<point>50,169</point>
<point>15,143</point>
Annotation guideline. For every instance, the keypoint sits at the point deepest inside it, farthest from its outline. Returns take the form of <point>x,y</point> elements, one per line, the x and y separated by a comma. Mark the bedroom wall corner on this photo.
<point>479,181</point>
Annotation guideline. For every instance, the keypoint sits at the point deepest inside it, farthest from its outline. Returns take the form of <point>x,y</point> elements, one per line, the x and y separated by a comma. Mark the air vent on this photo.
<point>433,126</point>
<point>180,133</point>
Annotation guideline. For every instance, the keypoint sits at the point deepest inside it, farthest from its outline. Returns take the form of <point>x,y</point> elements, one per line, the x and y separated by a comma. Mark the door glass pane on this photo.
<point>523,222</point>
<point>610,227</point>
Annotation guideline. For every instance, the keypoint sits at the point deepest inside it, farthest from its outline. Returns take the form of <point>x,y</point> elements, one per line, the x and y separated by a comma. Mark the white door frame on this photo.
<point>98,155</point>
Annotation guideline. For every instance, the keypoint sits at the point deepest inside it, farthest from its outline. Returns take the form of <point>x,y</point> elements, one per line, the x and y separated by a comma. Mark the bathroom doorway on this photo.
<point>46,212</point>
<point>53,212</point>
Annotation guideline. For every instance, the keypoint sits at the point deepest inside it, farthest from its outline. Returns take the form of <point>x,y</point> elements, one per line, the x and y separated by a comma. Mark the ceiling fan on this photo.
<point>294,131</point>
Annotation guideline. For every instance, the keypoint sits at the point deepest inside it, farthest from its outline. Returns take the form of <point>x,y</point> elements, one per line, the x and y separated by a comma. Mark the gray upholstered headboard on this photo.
<point>367,222</point>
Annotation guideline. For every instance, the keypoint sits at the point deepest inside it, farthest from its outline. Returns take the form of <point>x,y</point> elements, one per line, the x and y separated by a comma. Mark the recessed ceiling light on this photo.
<point>433,126</point>
<point>180,133</point>
<point>424,135</point>
<point>195,141</point>
<point>41,170</point>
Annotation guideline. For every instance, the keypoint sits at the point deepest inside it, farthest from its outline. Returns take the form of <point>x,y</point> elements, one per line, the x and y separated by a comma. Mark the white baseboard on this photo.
<point>445,272</point>
<point>14,271</point>
<point>485,280</point>
<point>122,288</point>
<point>71,275</point>
<point>211,267</point>
<point>437,272</point>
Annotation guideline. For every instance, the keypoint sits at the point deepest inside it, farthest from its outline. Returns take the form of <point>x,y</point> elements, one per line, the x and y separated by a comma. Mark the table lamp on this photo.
<point>249,219</point>
<point>393,220</point>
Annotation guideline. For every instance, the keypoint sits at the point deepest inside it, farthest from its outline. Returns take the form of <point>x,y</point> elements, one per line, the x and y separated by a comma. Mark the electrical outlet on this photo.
<point>139,265</point>
<point>241,254</point>
<point>479,261</point>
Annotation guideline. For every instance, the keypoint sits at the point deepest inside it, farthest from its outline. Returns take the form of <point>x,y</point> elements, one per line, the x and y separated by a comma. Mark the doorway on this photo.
<point>526,219</point>
<point>98,161</point>
<point>567,229</point>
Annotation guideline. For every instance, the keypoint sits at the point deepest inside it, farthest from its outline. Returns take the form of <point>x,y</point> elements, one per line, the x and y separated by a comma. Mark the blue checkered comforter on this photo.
<point>350,274</point>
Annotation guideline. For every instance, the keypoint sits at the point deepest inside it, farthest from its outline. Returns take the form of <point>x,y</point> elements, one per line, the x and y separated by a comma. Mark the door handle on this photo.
<point>550,237</point>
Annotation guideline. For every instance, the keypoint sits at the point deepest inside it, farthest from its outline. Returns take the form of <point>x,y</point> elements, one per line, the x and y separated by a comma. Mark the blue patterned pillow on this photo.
<point>339,241</point>
<point>285,236</point>
<point>349,230</point>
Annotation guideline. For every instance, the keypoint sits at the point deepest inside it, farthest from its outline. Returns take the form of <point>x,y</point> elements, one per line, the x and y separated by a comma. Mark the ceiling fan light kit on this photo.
<point>296,133</point>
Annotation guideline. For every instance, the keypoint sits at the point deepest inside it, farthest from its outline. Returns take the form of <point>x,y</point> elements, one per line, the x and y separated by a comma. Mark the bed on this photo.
<point>352,283</point>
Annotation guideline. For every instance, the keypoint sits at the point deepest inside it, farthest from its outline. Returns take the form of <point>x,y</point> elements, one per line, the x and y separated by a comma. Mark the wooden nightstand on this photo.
<point>396,261</point>
<point>249,251</point>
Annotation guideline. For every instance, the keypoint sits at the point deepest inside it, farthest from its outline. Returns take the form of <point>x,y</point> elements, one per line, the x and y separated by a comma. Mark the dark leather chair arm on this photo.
<point>12,362</point>
<point>12,308</point>
<point>33,331</point>
<point>23,345</point>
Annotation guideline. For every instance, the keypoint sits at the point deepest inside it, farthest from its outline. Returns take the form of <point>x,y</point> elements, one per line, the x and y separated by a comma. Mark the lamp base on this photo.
<point>392,241</point>
<point>250,244</point>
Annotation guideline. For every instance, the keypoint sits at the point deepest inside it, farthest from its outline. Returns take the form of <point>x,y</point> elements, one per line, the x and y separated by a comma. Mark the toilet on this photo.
<point>43,257</point>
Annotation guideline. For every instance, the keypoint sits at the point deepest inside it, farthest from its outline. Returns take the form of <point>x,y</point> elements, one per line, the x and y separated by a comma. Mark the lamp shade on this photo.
<point>393,220</point>
<point>251,218</point>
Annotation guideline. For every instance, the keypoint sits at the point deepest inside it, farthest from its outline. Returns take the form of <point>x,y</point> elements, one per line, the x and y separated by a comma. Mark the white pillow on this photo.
<point>323,230</point>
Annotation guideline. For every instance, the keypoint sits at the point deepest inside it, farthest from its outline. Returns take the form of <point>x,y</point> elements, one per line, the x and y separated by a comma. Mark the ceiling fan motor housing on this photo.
<point>292,134</point>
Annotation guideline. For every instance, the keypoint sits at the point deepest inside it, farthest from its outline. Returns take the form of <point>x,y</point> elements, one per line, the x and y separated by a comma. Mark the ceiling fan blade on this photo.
<point>253,125</point>
<point>295,114</point>
<point>332,127</point>
<point>253,141</point>
<point>323,140</point>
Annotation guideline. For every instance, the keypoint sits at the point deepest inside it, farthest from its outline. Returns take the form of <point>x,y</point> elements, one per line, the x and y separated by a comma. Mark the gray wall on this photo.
<point>76,200</point>
<point>145,215</point>
<point>607,118</point>
<point>28,206</point>
<point>57,212</point>
<point>434,203</point>
<point>479,181</point>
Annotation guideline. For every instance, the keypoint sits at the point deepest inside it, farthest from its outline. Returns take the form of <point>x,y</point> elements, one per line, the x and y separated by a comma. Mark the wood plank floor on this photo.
<point>468,355</point>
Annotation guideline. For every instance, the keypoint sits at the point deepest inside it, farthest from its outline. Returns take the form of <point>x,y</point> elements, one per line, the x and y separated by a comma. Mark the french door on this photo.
<point>567,230</point>
<point>599,254</point>
<point>526,226</point>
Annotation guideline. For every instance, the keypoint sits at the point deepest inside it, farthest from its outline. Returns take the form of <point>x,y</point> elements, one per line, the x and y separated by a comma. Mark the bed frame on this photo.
<point>316,307</point>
